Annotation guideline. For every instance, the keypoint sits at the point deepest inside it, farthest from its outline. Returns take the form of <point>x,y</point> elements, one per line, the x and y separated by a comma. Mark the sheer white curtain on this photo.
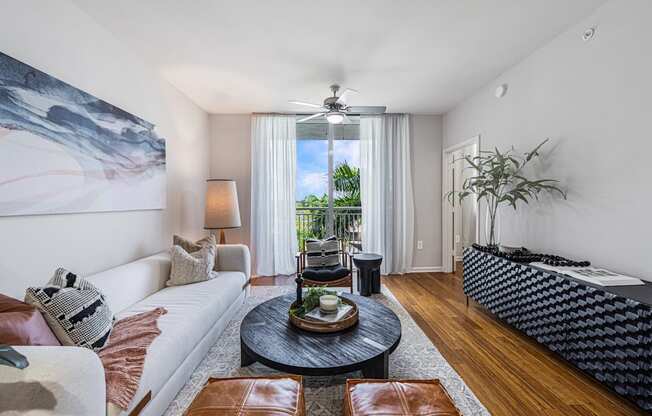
<point>386,190</point>
<point>273,173</point>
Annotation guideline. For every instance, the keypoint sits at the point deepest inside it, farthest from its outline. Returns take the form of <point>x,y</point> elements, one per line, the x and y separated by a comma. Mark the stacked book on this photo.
<point>342,311</point>
<point>593,275</point>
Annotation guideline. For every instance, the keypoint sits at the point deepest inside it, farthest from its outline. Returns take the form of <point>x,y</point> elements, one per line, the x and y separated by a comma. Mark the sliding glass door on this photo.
<point>328,180</point>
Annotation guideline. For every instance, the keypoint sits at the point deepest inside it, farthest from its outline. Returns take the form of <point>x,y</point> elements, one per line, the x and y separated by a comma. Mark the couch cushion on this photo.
<point>325,274</point>
<point>60,381</point>
<point>130,283</point>
<point>192,310</point>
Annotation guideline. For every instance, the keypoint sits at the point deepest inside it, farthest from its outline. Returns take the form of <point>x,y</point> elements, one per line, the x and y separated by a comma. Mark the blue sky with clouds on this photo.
<point>312,163</point>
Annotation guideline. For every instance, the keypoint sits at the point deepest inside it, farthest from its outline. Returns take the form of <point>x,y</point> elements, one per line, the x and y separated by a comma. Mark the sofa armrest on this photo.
<point>234,258</point>
<point>58,381</point>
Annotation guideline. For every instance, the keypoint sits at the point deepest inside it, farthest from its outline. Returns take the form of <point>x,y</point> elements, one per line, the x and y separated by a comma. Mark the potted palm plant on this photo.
<point>500,179</point>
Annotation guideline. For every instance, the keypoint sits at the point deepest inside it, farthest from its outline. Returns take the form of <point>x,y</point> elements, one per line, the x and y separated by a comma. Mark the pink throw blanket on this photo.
<point>124,356</point>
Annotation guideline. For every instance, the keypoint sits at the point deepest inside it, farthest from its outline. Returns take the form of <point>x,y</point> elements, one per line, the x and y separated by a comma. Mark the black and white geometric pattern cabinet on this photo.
<point>605,332</point>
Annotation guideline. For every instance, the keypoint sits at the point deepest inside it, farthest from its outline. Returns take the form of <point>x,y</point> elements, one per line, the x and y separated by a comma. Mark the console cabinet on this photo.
<point>605,332</point>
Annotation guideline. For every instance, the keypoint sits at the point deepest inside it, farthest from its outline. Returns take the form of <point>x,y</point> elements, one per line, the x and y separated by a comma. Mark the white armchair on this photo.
<point>58,381</point>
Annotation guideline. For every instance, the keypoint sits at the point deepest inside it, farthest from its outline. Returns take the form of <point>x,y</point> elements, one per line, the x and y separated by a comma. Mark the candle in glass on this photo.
<point>328,303</point>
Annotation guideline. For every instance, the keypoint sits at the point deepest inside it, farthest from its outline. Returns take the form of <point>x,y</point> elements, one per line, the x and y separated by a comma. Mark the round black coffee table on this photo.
<point>268,337</point>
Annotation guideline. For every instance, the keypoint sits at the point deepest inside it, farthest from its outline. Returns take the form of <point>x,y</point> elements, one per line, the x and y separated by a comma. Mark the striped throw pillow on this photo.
<point>322,253</point>
<point>74,309</point>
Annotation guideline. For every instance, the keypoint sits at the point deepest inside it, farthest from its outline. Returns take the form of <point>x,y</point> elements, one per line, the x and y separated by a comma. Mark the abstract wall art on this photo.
<point>64,151</point>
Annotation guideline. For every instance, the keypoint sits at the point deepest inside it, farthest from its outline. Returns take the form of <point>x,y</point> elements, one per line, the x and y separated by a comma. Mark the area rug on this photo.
<point>415,357</point>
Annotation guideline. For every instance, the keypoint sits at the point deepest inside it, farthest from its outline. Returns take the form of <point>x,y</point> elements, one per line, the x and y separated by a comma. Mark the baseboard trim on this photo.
<point>425,269</point>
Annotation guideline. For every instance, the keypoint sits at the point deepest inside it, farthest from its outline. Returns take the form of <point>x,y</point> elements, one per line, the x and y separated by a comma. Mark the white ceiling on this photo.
<point>417,56</point>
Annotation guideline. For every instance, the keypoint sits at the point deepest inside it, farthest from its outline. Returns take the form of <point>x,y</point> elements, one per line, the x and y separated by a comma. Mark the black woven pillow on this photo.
<point>75,310</point>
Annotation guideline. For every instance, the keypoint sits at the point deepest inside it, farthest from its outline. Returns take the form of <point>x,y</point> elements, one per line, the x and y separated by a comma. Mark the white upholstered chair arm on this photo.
<point>234,258</point>
<point>58,381</point>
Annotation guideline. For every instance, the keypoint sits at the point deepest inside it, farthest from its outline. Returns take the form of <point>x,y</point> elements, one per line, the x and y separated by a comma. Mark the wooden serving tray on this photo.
<point>326,327</point>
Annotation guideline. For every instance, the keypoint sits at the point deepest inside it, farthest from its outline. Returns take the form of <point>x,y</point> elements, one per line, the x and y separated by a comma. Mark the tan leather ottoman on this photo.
<point>397,398</point>
<point>244,396</point>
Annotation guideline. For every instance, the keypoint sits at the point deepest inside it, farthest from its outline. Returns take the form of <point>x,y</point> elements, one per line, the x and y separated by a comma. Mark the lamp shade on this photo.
<point>222,210</point>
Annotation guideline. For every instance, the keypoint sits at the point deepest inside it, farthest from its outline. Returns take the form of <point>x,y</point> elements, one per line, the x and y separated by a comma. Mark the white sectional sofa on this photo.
<point>196,316</point>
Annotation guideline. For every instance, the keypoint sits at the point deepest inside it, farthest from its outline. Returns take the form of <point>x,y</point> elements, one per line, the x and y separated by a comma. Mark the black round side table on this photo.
<point>368,265</point>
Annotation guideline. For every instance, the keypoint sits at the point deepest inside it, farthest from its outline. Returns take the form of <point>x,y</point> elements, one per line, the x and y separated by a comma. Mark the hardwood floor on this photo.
<point>280,280</point>
<point>509,373</point>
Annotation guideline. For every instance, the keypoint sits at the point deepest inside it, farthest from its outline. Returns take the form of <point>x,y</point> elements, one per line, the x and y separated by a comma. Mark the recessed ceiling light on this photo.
<point>588,34</point>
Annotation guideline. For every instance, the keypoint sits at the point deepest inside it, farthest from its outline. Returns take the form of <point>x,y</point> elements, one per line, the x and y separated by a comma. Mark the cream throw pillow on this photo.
<point>192,267</point>
<point>192,247</point>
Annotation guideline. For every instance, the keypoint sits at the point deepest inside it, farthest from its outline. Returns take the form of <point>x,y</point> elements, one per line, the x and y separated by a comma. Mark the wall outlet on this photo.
<point>420,245</point>
<point>457,238</point>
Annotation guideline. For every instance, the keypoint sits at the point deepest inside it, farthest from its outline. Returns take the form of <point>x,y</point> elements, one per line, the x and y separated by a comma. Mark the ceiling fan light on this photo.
<point>335,117</point>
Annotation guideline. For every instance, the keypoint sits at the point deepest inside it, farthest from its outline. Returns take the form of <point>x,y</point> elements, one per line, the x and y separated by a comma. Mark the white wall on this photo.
<point>594,100</point>
<point>59,39</point>
<point>426,131</point>
<point>231,158</point>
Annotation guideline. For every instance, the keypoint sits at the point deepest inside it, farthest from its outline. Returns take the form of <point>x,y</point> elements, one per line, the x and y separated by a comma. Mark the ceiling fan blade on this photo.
<point>369,109</point>
<point>347,120</point>
<point>345,96</point>
<point>310,117</point>
<point>305,103</point>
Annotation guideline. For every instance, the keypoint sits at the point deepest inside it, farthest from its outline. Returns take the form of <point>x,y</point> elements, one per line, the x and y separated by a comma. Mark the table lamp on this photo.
<point>222,210</point>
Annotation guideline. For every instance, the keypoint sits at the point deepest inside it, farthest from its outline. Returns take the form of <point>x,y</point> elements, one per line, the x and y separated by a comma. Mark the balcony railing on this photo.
<point>312,222</point>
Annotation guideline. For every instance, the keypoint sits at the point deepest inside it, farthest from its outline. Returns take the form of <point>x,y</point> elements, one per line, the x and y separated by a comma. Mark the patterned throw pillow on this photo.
<point>75,310</point>
<point>192,247</point>
<point>192,267</point>
<point>322,253</point>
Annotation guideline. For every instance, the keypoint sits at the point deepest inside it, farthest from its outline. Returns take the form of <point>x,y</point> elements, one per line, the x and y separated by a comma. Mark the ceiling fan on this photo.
<point>335,108</point>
